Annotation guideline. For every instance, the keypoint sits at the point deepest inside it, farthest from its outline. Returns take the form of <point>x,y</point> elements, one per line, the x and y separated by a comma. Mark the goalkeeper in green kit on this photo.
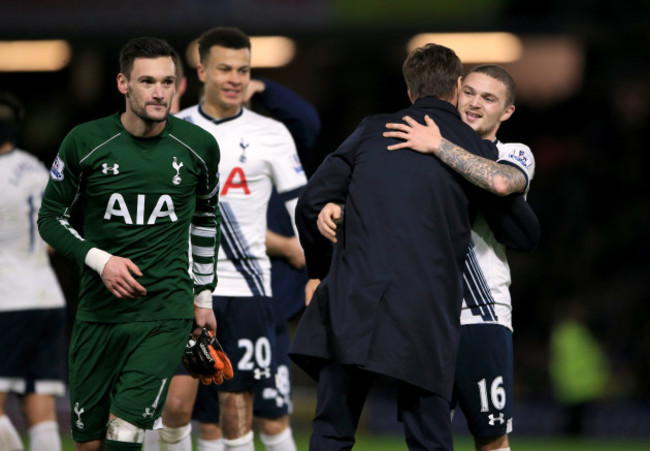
<point>144,181</point>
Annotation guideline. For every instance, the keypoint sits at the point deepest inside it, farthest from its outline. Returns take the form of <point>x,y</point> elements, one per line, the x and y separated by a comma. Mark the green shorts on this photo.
<point>123,369</point>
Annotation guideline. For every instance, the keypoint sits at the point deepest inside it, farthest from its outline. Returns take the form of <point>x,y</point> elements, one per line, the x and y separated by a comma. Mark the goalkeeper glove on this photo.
<point>205,358</point>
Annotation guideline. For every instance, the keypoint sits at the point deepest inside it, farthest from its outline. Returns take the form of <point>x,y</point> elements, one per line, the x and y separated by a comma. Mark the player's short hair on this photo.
<point>11,114</point>
<point>180,71</point>
<point>432,71</point>
<point>11,108</point>
<point>499,73</point>
<point>145,47</point>
<point>228,37</point>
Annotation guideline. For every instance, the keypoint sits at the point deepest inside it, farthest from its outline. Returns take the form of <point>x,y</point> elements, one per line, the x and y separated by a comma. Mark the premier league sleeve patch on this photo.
<point>519,155</point>
<point>56,172</point>
<point>296,164</point>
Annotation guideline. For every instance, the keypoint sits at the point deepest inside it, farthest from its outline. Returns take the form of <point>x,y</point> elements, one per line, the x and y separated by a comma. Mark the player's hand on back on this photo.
<point>418,137</point>
<point>118,278</point>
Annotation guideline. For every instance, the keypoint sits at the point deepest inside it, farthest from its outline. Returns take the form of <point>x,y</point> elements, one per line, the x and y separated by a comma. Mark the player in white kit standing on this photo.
<point>32,306</point>
<point>258,153</point>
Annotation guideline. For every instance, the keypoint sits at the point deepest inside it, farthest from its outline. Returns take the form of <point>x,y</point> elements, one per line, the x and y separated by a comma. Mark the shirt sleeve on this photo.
<point>205,229</point>
<point>40,179</point>
<point>61,193</point>
<point>520,156</point>
<point>286,170</point>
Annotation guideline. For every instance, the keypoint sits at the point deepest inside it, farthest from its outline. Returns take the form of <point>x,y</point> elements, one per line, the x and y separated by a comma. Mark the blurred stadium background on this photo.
<point>583,73</point>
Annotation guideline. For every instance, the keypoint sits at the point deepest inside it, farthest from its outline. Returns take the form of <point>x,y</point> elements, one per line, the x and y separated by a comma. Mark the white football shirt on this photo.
<point>257,153</point>
<point>487,274</point>
<point>26,277</point>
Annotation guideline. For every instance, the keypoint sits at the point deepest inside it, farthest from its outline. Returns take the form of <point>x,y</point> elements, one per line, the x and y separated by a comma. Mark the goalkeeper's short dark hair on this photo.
<point>145,47</point>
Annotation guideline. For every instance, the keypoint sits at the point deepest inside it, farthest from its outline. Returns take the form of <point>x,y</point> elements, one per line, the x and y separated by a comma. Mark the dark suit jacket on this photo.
<point>391,300</point>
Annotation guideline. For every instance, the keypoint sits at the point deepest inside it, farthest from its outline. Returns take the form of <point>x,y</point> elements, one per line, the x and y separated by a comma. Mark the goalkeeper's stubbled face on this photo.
<point>150,88</point>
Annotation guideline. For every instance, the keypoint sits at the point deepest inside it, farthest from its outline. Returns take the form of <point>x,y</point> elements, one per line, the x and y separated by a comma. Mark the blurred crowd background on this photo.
<point>583,107</point>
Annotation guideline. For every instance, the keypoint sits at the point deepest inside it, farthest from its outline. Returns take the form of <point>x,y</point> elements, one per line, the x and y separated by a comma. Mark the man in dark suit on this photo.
<point>390,296</point>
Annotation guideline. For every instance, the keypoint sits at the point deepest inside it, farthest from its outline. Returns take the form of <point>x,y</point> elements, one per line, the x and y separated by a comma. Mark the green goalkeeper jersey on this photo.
<point>140,198</point>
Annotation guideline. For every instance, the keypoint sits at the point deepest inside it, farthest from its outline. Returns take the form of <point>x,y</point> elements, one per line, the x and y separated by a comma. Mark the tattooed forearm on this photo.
<point>497,178</point>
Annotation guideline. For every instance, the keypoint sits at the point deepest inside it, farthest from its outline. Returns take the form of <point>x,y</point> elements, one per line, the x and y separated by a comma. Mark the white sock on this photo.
<point>280,442</point>
<point>45,437</point>
<point>209,445</point>
<point>243,443</point>
<point>151,440</point>
<point>176,439</point>
<point>9,438</point>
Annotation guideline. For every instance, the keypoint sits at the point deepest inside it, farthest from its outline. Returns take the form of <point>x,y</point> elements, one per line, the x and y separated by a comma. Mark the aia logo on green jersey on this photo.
<point>137,214</point>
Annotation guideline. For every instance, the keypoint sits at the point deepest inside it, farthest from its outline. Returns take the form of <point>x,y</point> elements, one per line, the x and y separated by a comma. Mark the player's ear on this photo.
<point>408,91</point>
<point>122,83</point>
<point>182,86</point>
<point>459,85</point>
<point>200,71</point>
<point>507,113</point>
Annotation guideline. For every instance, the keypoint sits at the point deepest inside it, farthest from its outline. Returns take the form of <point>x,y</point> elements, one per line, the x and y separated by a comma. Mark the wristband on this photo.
<point>203,299</point>
<point>97,259</point>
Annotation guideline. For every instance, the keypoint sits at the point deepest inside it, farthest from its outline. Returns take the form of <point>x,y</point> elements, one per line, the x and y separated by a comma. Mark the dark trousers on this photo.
<point>342,392</point>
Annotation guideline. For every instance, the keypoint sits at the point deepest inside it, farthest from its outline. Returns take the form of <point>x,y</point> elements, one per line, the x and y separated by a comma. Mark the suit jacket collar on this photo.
<point>432,102</point>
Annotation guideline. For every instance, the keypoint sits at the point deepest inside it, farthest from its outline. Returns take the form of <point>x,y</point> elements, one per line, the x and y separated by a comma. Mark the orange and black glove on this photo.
<point>204,358</point>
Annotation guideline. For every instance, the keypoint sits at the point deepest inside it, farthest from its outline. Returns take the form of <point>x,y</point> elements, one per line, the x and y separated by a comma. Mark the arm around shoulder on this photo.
<point>513,222</point>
